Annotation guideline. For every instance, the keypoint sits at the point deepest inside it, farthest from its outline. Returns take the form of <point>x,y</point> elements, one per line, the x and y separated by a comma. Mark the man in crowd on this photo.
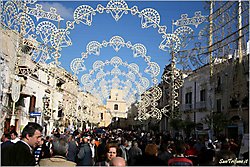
<point>85,155</point>
<point>5,150</point>
<point>60,147</point>
<point>22,151</point>
<point>117,161</point>
<point>14,136</point>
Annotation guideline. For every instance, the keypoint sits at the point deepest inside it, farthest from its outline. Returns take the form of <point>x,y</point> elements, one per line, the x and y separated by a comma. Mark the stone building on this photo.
<point>48,94</point>
<point>226,91</point>
<point>116,104</point>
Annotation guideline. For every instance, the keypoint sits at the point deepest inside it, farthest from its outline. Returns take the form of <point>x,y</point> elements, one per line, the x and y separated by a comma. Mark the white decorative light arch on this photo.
<point>116,42</point>
<point>18,15</point>
<point>98,71</point>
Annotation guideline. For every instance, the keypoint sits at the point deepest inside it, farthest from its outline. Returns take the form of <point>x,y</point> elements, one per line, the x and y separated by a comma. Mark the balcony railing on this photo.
<point>185,107</point>
<point>201,105</point>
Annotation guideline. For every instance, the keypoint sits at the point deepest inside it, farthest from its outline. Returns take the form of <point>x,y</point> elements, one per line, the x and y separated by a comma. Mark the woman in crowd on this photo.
<point>111,151</point>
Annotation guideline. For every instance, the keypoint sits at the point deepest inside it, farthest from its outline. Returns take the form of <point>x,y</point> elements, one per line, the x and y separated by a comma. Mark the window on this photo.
<point>218,105</point>
<point>60,113</point>
<point>116,107</point>
<point>48,80</point>
<point>32,103</point>
<point>203,95</point>
<point>218,81</point>
<point>188,98</point>
<point>101,116</point>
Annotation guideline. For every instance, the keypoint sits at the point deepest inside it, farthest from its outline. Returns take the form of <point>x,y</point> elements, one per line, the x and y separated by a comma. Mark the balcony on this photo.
<point>185,107</point>
<point>201,105</point>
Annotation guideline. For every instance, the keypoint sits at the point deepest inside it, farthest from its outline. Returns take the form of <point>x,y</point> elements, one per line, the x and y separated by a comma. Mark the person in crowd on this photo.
<point>133,153</point>
<point>207,156</point>
<point>73,149</point>
<point>6,142</point>
<point>67,133</point>
<point>223,155</point>
<point>57,133</point>
<point>166,152</point>
<point>97,142</point>
<point>192,154</point>
<point>60,147</point>
<point>234,147</point>
<point>111,151</point>
<point>22,151</point>
<point>190,150</point>
<point>41,151</point>
<point>101,150</point>
<point>14,136</point>
<point>179,159</point>
<point>38,151</point>
<point>45,150</point>
<point>77,136</point>
<point>199,145</point>
<point>2,138</point>
<point>85,155</point>
<point>5,150</point>
<point>124,151</point>
<point>93,148</point>
<point>117,161</point>
<point>48,143</point>
<point>150,158</point>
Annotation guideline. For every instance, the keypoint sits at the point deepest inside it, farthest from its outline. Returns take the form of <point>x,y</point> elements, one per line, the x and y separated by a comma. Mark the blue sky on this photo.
<point>104,27</point>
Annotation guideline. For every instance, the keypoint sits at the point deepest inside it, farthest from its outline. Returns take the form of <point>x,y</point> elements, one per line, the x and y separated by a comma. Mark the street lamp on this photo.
<point>45,101</point>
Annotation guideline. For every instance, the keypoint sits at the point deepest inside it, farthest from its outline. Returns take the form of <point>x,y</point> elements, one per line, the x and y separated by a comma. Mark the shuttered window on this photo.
<point>32,103</point>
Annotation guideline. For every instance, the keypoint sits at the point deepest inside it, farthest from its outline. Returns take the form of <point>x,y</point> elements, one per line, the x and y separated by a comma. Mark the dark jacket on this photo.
<point>85,155</point>
<point>149,160</point>
<point>22,155</point>
<point>133,153</point>
<point>72,151</point>
<point>6,153</point>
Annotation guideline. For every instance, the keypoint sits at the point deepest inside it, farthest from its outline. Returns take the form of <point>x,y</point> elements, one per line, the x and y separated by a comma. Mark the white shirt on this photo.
<point>92,147</point>
<point>15,140</point>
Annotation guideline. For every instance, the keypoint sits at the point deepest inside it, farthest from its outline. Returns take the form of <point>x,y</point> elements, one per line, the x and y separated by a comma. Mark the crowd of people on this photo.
<point>114,148</point>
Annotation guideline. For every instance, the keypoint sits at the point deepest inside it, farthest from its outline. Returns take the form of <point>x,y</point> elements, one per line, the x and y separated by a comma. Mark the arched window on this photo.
<point>116,107</point>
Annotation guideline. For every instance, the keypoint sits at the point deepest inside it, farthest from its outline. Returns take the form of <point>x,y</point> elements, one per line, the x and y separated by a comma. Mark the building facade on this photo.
<point>116,104</point>
<point>226,91</point>
<point>48,94</point>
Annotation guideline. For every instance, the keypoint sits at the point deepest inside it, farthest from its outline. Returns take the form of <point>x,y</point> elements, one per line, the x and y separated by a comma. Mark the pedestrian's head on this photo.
<point>60,147</point>
<point>151,149</point>
<point>32,133</point>
<point>13,134</point>
<point>111,150</point>
<point>5,137</point>
<point>124,142</point>
<point>117,161</point>
<point>85,139</point>
<point>76,133</point>
<point>135,144</point>
<point>92,141</point>
<point>180,148</point>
